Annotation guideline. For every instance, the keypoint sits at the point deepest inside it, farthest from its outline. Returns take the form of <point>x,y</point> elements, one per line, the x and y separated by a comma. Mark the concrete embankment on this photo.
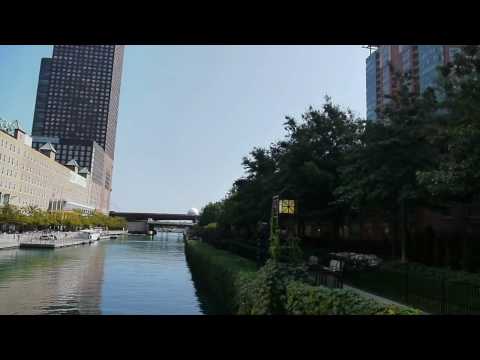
<point>9,241</point>
<point>61,239</point>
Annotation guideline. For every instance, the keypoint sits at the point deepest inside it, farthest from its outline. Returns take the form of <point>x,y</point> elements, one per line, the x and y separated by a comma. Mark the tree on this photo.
<point>31,210</point>
<point>210,213</point>
<point>9,214</point>
<point>303,166</point>
<point>249,200</point>
<point>382,167</point>
<point>456,178</point>
<point>313,153</point>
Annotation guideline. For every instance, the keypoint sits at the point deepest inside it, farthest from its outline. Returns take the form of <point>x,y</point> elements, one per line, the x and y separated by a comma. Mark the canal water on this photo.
<point>131,275</point>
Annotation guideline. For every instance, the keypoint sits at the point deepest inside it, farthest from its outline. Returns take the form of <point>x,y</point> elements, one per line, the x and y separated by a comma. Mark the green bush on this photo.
<point>435,272</point>
<point>220,271</point>
<point>304,299</point>
<point>275,289</point>
<point>266,293</point>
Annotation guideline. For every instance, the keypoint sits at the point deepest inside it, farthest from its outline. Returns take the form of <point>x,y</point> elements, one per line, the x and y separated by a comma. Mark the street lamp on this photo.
<point>280,209</point>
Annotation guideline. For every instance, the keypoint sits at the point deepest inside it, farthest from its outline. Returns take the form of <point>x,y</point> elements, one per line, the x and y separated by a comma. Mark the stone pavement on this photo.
<point>8,241</point>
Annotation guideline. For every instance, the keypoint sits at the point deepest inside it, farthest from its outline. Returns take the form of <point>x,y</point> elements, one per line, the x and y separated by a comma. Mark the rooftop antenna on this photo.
<point>370,48</point>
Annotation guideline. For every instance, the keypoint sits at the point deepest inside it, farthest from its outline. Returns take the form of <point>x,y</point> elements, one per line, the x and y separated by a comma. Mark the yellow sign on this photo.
<point>287,207</point>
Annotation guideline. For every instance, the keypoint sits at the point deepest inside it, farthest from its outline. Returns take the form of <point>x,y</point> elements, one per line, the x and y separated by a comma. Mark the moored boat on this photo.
<point>90,235</point>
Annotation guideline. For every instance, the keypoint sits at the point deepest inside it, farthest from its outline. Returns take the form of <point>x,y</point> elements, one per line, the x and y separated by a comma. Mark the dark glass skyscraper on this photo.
<point>77,106</point>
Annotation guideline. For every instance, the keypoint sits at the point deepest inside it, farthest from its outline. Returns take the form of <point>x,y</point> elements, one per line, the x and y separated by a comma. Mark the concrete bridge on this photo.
<point>145,222</point>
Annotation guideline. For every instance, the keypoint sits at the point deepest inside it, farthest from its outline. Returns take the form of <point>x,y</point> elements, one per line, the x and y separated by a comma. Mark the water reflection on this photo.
<point>130,275</point>
<point>209,302</point>
<point>61,281</point>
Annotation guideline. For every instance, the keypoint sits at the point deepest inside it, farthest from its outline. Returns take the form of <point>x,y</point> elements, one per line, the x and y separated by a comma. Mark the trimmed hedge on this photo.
<point>265,294</point>
<point>221,272</point>
<point>304,299</point>
<point>275,289</point>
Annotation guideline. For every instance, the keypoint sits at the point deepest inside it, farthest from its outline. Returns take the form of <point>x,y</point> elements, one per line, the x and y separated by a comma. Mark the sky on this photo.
<point>189,114</point>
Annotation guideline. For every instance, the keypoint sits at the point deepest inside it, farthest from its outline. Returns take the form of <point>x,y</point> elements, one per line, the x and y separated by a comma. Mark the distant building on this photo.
<point>420,61</point>
<point>77,107</point>
<point>34,178</point>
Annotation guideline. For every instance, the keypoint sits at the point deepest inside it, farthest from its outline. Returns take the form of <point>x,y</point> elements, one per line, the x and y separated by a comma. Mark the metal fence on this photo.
<point>327,278</point>
<point>430,293</point>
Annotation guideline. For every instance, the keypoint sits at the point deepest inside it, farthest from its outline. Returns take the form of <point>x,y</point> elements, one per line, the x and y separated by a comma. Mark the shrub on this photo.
<point>211,226</point>
<point>304,299</point>
<point>220,271</point>
<point>275,289</point>
<point>435,272</point>
<point>266,293</point>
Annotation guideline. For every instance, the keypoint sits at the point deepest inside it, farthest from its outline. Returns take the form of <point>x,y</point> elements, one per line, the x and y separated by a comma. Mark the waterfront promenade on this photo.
<point>62,239</point>
<point>8,241</point>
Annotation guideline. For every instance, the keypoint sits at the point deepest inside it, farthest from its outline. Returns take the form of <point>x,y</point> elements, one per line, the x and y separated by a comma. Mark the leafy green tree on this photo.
<point>250,198</point>
<point>9,214</point>
<point>382,166</point>
<point>311,156</point>
<point>210,213</point>
<point>456,178</point>
<point>303,166</point>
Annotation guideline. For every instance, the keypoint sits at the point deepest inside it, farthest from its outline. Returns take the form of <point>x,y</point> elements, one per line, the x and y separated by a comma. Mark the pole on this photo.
<point>406,283</point>
<point>443,306</point>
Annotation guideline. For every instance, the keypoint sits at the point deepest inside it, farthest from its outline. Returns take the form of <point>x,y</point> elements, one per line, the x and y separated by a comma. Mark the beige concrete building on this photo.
<point>34,178</point>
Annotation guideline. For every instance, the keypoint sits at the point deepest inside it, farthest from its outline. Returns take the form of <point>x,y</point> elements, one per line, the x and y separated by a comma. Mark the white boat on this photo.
<point>94,236</point>
<point>90,234</point>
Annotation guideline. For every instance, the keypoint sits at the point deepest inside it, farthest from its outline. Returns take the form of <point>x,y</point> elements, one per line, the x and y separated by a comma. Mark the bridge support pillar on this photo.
<point>139,227</point>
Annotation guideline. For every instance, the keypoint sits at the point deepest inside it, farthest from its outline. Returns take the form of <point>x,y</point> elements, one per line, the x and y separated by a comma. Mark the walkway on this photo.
<point>377,298</point>
<point>67,239</point>
<point>8,241</point>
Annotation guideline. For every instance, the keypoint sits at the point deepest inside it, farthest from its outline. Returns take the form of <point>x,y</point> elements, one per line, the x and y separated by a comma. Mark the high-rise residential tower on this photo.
<point>77,107</point>
<point>420,61</point>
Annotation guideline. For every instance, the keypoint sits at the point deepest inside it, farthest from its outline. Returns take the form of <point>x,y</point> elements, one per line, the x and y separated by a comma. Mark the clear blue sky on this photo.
<point>188,114</point>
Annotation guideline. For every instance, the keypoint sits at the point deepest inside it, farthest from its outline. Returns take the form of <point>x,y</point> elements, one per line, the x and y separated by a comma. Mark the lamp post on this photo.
<point>280,209</point>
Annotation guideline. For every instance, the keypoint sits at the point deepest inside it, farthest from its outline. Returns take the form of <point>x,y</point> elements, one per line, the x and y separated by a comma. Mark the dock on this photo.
<point>9,241</point>
<point>32,240</point>
<point>53,244</point>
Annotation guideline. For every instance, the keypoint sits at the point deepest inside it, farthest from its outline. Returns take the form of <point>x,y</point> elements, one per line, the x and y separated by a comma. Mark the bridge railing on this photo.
<point>133,216</point>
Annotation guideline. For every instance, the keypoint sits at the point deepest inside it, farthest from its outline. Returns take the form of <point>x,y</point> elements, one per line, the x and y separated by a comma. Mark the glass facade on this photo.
<point>372,86</point>
<point>430,58</point>
<point>452,51</point>
<point>385,60</point>
<point>77,96</point>
<point>420,61</point>
<point>67,150</point>
<point>77,108</point>
<point>406,57</point>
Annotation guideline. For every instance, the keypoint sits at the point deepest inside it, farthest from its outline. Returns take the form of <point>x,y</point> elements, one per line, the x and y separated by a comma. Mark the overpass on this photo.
<point>137,216</point>
<point>144,222</point>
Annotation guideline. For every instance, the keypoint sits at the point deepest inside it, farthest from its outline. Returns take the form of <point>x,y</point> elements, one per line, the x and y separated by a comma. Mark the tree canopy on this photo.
<point>33,218</point>
<point>422,150</point>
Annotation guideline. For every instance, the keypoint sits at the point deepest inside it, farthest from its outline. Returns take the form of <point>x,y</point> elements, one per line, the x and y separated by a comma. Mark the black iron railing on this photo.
<point>430,293</point>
